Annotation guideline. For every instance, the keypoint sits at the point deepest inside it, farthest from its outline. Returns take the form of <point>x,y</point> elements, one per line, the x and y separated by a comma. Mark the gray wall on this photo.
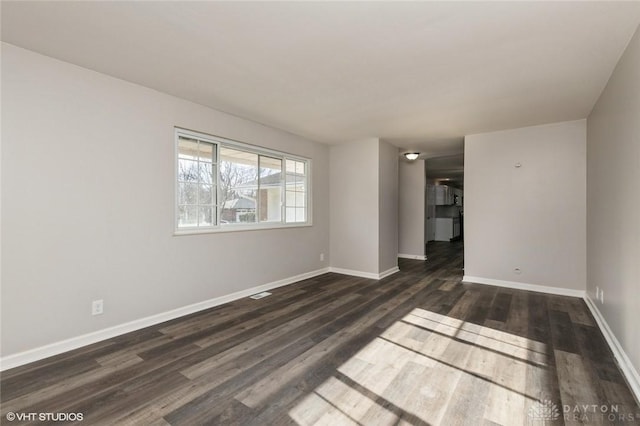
<point>88,205</point>
<point>354,205</point>
<point>411,208</point>
<point>388,207</point>
<point>613,197</point>
<point>364,206</point>
<point>532,217</point>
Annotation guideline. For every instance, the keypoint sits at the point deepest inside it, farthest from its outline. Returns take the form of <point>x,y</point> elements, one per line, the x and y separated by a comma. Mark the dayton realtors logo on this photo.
<point>548,411</point>
<point>544,410</point>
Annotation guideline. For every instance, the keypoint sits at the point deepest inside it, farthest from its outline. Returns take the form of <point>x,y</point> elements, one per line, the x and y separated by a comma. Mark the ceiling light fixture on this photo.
<point>411,155</point>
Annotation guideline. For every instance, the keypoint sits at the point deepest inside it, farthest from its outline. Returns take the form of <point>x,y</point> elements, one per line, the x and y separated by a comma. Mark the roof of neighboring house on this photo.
<point>272,180</point>
<point>239,203</point>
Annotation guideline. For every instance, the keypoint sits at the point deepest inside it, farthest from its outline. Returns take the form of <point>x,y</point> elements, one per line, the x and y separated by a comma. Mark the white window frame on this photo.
<point>234,227</point>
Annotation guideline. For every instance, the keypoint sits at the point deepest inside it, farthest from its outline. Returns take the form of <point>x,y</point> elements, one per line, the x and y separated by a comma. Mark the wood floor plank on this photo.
<point>562,334</point>
<point>572,375</point>
<point>508,393</point>
<point>316,405</point>
<point>538,328</point>
<point>471,395</point>
<point>449,285</point>
<point>593,347</point>
<point>518,316</point>
<point>32,381</point>
<point>500,307</point>
<point>479,311</point>
<point>579,312</point>
<point>418,347</point>
<point>111,366</point>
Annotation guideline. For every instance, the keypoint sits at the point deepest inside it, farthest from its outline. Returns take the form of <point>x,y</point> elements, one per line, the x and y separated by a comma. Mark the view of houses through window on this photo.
<point>250,183</point>
<point>296,191</point>
<point>241,185</point>
<point>196,182</point>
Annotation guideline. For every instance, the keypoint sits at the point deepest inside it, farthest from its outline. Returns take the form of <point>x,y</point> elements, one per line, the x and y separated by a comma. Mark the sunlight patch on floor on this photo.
<point>410,373</point>
<point>336,403</point>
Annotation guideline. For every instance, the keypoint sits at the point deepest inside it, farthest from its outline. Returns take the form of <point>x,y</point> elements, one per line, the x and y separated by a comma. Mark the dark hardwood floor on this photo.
<point>418,347</point>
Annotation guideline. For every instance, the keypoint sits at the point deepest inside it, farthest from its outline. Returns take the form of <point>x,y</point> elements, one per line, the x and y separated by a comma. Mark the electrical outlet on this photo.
<point>97,307</point>
<point>321,257</point>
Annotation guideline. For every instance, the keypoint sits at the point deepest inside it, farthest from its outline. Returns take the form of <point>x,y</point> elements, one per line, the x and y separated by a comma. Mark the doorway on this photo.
<point>444,198</point>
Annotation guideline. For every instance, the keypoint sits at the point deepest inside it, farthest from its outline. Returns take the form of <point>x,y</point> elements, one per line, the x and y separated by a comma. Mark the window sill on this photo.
<point>239,228</point>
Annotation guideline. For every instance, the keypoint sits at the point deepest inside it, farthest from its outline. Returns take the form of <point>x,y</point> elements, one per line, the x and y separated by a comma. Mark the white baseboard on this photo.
<point>628,370</point>
<point>413,256</point>
<point>388,272</point>
<point>16,360</point>
<point>524,286</point>
<point>362,274</point>
<point>56,348</point>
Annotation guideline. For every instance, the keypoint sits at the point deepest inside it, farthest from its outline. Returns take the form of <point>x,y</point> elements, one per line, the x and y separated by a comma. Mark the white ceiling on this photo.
<point>419,74</point>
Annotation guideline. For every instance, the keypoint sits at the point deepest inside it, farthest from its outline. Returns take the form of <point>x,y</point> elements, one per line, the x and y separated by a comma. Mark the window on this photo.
<point>238,186</point>
<point>227,185</point>
<point>197,193</point>
<point>296,191</point>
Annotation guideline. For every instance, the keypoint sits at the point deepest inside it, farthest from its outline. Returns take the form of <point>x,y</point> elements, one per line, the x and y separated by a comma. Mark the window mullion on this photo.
<point>217,179</point>
<point>283,191</point>
<point>258,200</point>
